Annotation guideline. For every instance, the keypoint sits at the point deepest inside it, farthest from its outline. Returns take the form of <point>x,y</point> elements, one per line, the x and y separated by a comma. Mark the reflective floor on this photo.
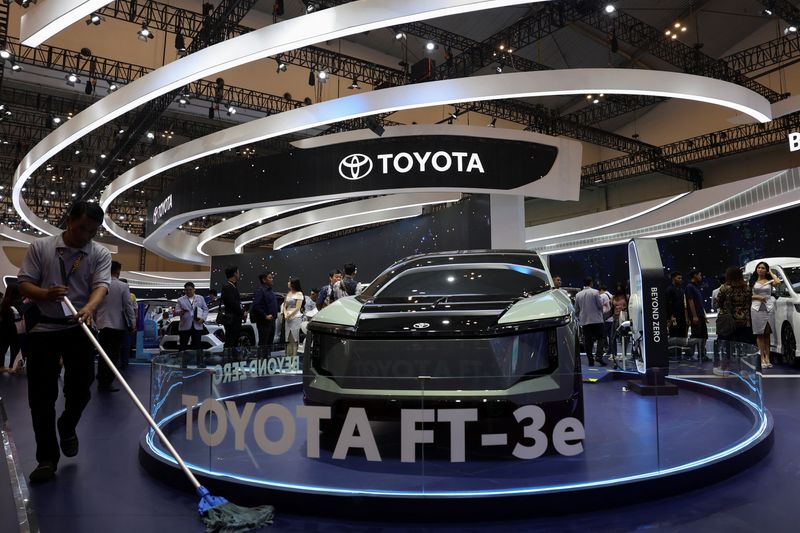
<point>105,489</point>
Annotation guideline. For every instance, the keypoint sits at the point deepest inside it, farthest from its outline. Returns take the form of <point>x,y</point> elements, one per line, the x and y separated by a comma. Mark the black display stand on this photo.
<point>653,383</point>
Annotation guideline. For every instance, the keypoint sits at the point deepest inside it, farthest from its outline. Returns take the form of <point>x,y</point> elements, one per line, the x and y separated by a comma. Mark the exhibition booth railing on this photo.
<point>257,423</point>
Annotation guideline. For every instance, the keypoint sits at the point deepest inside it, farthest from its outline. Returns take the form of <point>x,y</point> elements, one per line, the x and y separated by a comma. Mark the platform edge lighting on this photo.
<point>760,429</point>
<point>514,85</point>
<point>328,24</point>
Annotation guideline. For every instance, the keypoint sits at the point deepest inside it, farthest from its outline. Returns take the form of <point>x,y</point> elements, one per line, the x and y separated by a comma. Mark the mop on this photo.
<point>217,513</point>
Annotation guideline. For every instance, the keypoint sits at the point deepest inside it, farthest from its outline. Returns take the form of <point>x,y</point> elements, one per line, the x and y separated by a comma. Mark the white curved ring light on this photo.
<point>330,226</point>
<point>514,85</point>
<point>253,216</point>
<point>40,22</point>
<point>343,211</point>
<point>320,26</point>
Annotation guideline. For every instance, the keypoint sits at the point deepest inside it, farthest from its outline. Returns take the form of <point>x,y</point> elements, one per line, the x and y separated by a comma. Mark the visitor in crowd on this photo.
<point>264,310</point>
<point>232,306</point>
<point>163,323</point>
<point>67,264</point>
<point>715,293</point>
<point>211,298</point>
<point>735,298</point>
<point>762,310</point>
<point>10,320</point>
<point>114,318</point>
<point>589,310</point>
<point>697,313</point>
<point>326,294</point>
<point>311,303</point>
<point>619,306</point>
<point>292,315</point>
<point>348,286</point>
<point>608,317</point>
<point>675,303</point>
<point>193,312</point>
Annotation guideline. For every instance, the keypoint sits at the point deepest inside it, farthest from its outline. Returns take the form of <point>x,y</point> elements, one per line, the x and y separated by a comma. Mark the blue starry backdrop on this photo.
<point>710,251</point>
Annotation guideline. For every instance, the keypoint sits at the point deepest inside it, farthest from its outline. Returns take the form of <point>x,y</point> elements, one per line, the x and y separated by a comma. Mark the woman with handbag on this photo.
<point>733,321</point>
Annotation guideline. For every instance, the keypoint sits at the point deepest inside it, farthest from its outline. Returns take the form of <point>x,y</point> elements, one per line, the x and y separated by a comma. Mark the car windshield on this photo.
<point>793,273</point>
<point>502,281</point>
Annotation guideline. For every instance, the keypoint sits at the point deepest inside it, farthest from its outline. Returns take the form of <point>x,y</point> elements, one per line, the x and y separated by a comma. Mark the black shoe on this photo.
<point>69,444</point>
<point>45,471</point>
<point>107,389</point>
<point>600,361</point>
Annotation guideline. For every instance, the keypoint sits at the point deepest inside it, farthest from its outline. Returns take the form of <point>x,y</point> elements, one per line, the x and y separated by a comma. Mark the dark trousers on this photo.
<point>184,338</point>
<point>44,351</point>
<point>608,334</point>
<point>593,333</point>
<point>8,339</point>
<point>111,340</point>
<point>232,333</point>
<point>266,332</point>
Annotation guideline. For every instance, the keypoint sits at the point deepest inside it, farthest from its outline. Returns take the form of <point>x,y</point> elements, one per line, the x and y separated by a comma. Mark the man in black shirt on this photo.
<point>232,305</point>
<point>264,310</point>
<point>676,307</point>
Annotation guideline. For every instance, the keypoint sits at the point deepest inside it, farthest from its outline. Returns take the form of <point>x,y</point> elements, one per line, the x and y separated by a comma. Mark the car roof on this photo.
<point>773,261</point>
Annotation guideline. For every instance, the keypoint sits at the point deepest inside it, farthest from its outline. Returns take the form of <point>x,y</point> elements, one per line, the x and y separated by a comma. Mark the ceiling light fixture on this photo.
<point>430,46</point>
<point>355,86</point>
<point>281,66</point>
<point>144,33</point>
<point>231,110</point>
<point>16,67</point>
<point>5,54</point>
<point>95,19</point>
<point>72,79</point>
<point>609,9</point>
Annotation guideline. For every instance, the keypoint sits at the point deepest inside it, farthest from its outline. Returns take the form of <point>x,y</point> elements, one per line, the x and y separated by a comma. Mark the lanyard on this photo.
<point>75,265</point>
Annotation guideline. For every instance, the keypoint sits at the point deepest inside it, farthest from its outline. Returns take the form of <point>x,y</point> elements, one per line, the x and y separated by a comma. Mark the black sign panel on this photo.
<point>647,302</point>
<point>386,164</point>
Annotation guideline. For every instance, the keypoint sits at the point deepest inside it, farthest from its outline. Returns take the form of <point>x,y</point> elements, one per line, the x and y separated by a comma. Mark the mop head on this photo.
<point>219,515</point>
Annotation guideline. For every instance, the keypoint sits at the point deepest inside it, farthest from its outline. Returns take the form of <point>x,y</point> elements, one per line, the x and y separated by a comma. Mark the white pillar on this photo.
<point>507,221</point>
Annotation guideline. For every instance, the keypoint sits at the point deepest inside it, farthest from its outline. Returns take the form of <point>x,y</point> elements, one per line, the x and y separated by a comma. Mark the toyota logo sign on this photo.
<point>421,325</point>
<point>355,166</point>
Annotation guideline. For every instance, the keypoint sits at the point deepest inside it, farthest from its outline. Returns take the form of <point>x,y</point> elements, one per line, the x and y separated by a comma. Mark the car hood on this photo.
<point>453,318</point>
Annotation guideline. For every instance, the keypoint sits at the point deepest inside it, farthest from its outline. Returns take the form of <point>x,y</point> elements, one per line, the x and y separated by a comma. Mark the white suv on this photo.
<point>787,307</point>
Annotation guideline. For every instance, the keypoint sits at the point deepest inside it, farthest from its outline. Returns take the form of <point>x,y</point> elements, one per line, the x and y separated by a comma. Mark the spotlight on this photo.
<point>609,8</point>
<point>231,110</point>
<point>151,135</point>
<point>310,7</point>
<point>323,76</point>
<point>792,28</point>
<point>180,44</point>
<point>72,79</point>
<point>399,35</point>
<point>112,87</point>
<point>767,12</point>
<point>355,85</point>
<point>95,19</point>
<point>429,46</point>
<point>5,53</point>
<point>92,171</point>
<point>499,68</point>
<point>281,66</point>
<point>493,123</point>
<point>56,120</point>
<point>144,33</point>
<point>16,67</point>
<point>182,101</point>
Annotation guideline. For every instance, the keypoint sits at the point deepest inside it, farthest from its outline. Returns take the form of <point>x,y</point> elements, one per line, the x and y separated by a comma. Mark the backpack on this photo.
<point>340,289</point>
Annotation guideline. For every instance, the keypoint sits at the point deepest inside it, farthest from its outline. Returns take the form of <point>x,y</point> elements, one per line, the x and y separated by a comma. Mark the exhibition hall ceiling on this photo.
<point>748,42</point>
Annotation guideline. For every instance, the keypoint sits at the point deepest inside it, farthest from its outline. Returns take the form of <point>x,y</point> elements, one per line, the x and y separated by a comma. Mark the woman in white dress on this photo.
<point>762,310</point>
<point>292,316</point>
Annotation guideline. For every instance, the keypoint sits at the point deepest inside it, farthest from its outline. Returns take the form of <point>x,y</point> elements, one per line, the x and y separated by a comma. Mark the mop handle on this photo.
<point>135,399</point>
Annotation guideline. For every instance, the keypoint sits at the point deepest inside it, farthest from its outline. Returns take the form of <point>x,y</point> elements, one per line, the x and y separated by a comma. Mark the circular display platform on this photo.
<point>635,447</point>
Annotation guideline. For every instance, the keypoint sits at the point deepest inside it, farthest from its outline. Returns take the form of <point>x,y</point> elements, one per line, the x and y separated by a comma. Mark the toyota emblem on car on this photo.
<point>355,166</point>
<point>421,325</point>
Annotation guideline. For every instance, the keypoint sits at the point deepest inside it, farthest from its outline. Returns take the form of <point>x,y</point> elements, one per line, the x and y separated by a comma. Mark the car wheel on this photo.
<point>244,340</point>
<point>789,345</point>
